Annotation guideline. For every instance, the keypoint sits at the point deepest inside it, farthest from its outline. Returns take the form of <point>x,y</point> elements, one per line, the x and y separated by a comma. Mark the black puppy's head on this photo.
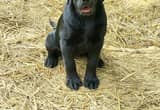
<point>85,7</point>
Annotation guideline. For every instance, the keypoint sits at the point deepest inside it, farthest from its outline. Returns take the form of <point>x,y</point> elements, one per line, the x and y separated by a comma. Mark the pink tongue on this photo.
<point>86,10</point>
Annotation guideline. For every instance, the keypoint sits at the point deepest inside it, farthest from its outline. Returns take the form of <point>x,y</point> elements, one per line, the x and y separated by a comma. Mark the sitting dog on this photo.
<point>80,31</point>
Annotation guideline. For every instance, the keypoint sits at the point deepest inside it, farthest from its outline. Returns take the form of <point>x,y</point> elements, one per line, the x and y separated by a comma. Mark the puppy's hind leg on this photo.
<point>52,59</point>
<point>100,63</point>
<point>53,51</point>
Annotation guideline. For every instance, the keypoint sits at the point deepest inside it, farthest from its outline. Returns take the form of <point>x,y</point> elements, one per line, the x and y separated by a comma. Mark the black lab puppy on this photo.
<point>80,31</point>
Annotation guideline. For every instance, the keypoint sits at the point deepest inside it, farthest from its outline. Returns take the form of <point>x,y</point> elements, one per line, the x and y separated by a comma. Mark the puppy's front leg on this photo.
<point>73,80</point>
<point>91,81</point>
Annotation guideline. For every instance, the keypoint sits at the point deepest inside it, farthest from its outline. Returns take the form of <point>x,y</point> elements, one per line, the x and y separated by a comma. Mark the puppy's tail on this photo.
<point>52,23</point>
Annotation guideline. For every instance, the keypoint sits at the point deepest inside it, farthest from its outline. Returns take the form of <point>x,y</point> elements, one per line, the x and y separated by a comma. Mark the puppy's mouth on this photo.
<point>86,10</point>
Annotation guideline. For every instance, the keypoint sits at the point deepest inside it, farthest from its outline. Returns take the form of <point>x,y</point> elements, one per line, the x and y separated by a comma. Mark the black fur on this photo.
<point>76,34</point>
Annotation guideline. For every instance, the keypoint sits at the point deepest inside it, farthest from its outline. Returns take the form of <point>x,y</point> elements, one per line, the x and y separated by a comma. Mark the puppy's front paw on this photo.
<point>51,62</point>
<point>74,82</point>
<point>91,81</point>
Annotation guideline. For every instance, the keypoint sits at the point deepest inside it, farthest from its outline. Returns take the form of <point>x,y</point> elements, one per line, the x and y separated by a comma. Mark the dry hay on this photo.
<point>129,81</point>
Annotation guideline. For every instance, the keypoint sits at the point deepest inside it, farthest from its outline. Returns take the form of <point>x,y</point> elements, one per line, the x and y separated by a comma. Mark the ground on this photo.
<point>130,79</point>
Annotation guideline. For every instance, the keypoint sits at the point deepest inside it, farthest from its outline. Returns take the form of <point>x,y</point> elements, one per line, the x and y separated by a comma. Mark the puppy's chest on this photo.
<point>81,41</point>
<point>83,36</point>
<point>81,46</point>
